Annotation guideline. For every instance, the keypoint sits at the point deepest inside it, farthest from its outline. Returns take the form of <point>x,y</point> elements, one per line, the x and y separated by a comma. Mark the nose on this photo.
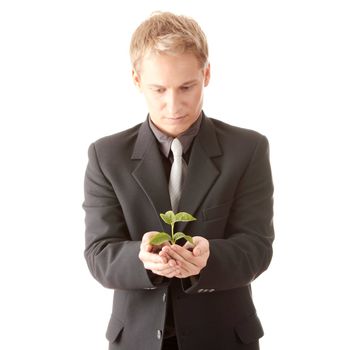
<point>173,104</point>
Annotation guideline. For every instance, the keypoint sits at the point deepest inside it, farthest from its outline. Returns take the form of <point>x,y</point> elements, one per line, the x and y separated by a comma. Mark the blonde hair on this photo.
<point>165,32</point>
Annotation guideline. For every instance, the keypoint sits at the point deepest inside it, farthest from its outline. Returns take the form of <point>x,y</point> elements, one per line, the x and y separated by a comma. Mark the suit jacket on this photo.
<point>228,189</point>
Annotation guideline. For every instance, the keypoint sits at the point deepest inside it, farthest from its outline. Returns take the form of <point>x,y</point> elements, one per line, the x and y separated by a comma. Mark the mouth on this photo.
<point>176,118</point>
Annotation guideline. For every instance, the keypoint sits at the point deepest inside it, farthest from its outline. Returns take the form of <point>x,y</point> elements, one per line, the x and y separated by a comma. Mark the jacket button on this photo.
<point>200,290</point>
<point>159,334</point>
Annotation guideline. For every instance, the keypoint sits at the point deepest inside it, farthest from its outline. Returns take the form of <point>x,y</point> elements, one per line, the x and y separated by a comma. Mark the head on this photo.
<point>169,56</point>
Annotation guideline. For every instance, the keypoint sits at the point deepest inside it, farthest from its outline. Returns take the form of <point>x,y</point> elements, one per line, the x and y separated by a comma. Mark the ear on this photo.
<point>207,74</point>
<point>136,78</point>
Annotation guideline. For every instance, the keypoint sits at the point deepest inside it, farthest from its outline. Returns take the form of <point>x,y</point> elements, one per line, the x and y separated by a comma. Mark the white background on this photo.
<point>279,67</point>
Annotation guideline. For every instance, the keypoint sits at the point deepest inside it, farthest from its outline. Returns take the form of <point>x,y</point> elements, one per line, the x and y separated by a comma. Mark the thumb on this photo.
<point>196,251</point>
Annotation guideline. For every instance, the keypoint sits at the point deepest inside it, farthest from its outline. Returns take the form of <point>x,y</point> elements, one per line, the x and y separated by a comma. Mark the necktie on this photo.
<point>175,179</point>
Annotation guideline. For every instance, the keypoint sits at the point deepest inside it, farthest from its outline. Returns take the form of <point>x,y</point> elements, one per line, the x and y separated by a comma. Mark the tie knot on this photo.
<point>176,148</point>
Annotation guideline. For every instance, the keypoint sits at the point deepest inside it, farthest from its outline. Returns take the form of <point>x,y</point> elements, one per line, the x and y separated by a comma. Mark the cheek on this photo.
<point>152,101</point>
<point>196,97</point>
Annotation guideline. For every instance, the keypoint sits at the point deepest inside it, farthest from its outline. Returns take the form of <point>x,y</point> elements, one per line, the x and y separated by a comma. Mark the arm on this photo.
<point>111,255</point>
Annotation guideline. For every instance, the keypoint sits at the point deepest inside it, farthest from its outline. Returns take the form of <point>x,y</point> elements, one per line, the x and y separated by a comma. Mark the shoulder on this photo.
<point>240,145</point>
<point>234,136</point>
<point>230,130</point>
<point>118,138</point>
<point>121,142</point>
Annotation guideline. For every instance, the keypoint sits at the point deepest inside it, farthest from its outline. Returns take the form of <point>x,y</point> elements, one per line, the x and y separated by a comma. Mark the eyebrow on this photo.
<point>185,83</point>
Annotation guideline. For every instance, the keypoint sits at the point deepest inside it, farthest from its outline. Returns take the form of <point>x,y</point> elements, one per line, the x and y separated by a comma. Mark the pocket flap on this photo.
<point>218,212</point>
<point>249,329</point>
<point>114,329</point>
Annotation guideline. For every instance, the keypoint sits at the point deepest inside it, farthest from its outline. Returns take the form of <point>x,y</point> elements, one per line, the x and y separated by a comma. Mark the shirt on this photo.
<point>186,137</point>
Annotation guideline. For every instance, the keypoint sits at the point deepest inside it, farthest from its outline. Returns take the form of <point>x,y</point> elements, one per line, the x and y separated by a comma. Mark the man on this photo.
<point>179,297</point>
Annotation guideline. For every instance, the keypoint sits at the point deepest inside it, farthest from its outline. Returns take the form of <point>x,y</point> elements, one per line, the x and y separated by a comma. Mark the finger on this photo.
<point>172,254</point>
<point>190,264</point>
<point>189,246</point>
<point>163,270</point>
<point>184,271</point>
<point>148,235</point>
<point>184,274</point>
<point>149,265</point>
<point>187,267</point>
<point>201,245</point>
<point>162,253</point>
<point>159,265</point>
<point>171,273</point>
<point>148,247</point>
<point>181,275</point>
<point>178,251</point>
<point>146,257</point>
<point>167,258</point>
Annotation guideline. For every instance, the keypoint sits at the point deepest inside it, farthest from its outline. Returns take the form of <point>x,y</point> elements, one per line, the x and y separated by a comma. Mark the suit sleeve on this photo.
<point>112,257</point>
<point>246,250</point>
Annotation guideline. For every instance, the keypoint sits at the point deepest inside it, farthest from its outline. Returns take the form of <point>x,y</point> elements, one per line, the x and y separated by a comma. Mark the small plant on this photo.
<point>171,218</point>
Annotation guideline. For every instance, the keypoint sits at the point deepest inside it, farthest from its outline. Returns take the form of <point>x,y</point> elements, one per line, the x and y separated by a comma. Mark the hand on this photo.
<point>190,262</point>
<point>160,265</point>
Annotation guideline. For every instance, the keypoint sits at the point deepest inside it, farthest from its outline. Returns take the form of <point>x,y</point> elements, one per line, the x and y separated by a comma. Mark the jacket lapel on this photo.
<point>149,172</point>
<point>201,175</point>
<point>202,172</point>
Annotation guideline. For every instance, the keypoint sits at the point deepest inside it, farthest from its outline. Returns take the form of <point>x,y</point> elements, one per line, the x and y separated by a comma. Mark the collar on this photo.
<point>186,138</point>
<point>206,137</point>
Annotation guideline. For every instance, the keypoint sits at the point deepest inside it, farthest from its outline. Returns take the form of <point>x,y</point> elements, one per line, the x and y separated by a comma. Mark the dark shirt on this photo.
<point>186,138</point>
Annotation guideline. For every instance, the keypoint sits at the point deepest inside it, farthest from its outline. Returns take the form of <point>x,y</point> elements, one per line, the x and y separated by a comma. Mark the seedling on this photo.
<point>171,218</point>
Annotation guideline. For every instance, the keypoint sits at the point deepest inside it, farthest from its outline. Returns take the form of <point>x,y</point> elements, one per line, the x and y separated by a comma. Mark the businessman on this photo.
<point>184,296</point>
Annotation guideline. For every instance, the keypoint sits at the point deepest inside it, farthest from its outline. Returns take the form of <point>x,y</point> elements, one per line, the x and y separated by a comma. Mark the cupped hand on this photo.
<point>190,261</point>
<point>152,260</point>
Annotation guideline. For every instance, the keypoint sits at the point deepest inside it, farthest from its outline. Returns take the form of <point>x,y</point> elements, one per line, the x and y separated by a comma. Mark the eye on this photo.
<point>157,90</point>
<point>185,88</point>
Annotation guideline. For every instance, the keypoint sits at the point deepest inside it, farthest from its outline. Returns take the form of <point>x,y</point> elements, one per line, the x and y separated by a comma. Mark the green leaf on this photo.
<point>188,239</point>
<point>159,238</point>
<point>168,217</point>
<point>171,215</point>
<point>184,217</point>
<point>178,235</point>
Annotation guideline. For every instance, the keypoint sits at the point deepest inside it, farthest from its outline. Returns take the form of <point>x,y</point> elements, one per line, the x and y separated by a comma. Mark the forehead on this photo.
<point>164,69</point>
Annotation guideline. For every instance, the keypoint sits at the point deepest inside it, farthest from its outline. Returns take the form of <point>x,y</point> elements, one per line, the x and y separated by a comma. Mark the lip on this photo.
<point>176,118</point>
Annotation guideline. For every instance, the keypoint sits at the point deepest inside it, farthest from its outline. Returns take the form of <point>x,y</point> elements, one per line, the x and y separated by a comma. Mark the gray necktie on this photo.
<point>176,173</point>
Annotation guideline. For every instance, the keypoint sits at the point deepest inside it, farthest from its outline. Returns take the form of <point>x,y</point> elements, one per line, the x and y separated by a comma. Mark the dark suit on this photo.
<point>228,189</point>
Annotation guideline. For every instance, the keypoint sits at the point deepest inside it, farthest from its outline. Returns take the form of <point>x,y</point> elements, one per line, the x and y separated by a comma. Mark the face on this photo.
<point>173,87</point>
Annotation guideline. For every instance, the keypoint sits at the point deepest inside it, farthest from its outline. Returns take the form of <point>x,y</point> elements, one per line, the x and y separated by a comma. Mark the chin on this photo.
<point>176,132</point>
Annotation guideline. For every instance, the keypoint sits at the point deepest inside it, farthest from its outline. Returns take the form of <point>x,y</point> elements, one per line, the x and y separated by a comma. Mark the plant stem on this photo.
<point>172,233</point>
